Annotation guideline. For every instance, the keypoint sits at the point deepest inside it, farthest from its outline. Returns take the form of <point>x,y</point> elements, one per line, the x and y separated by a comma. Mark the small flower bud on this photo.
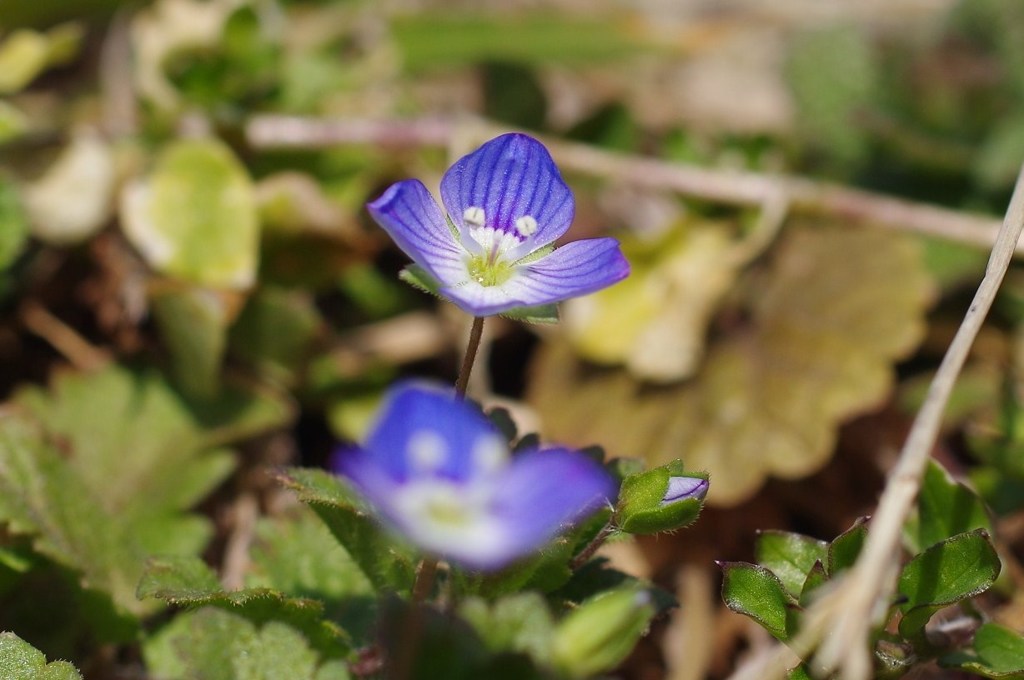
<point>602,631</point>
<point>662,499</point>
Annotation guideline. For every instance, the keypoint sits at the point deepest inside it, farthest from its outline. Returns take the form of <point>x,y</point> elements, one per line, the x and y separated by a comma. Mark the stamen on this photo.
<point>474,216</point>
<point>489,455</point>
<point>526,225</point>
<point>427,450</point>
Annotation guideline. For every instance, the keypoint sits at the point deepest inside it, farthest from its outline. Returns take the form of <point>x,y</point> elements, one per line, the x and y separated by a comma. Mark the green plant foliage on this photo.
<point>193,323</point>
<point>517,623</point>
<point>834,78</point>
<point>949,571</point>
<point>187,581</point>
<point>20,661</point>
<point>275,332</point>
<point>601,632</point>
<point>998,652</point>
<point>13,224</point>
<point>791,557</point>
<point>42,496</point>
<point>945,508</point>
<point>755,591</point>
<point>428,41</point>
<point>213,643</point>
<point>767,399</point>
<point>195,217</point>
<point>387,565</point>
<point>844,550</point>
<point>640,508</point>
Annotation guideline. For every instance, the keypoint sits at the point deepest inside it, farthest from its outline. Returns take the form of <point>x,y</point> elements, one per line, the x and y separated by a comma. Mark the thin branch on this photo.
<point>476,332</point>
<point>80,352</point>
<point>849,612</point>
<point>740,188</point>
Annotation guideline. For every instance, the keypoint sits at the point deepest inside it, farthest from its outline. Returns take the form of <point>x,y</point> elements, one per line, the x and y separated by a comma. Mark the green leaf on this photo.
<point>435,40</point>
<point>21,661</point>
<point>945,508</point>
<point>221,645</point>
<point>193,322</point>
<point>789,556</point>
<point>949,571</point>
<point>388,565</point>
<point>187,581</point>
<point>541,314</point>
<point>42,496</point>
<point>195,217</point>
<point>417,277</point>
<point>754,591</point>
<point>13,224</point>
<point>845,548</point>
<point>998,653</point>
<point>275,332</point>
<point>517,623</point>
<point>816,578</point>
<point>297,555</point>
<point>602,631</point>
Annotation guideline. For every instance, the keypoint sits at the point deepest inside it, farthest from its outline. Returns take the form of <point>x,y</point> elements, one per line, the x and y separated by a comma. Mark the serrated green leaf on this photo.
<point>945,508</point>
<point>214,644</point>
<point>845,548</point>
<point>195,217</point>
<point>42,496</point>
<point>998,653</point>
<point>187,581</point>
<point>754,591</point>
<point>799,673</point>
<point>789,556</point>
<point>296,554</point>
<point>949,571</point>
<point>517,623</point>
<point>387,564</point>
<point>21,661</point>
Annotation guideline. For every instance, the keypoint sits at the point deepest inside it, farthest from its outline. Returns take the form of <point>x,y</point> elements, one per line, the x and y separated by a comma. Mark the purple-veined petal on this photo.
<point>544,491</point>
<point>683,488</point>
<point>413,219</point>
<point>509,177</point>
<point>572,270</point>
<point>425,431</point>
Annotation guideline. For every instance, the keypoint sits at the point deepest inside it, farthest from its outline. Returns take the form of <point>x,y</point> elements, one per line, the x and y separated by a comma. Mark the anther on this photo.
<point>526,225</point>
<point>473,216</point>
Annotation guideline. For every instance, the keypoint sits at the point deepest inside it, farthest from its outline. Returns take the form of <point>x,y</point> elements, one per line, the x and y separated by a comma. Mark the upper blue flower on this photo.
<point>437,470</point>
<point>506,205</point>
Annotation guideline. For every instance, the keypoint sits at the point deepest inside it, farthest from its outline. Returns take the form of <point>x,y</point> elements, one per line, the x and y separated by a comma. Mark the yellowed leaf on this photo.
<point>831,313</point>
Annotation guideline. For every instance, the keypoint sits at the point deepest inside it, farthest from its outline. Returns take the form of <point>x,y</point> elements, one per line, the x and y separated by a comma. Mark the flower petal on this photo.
<point>572,270</point>
<point>425,431</point>
<point>413,219</point>
<point>510,177</point>
<point>544,491</point>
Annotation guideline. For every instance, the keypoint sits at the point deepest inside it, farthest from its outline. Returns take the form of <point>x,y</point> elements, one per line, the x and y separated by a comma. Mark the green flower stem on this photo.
<point>475,334</point>
<point>592,547</point>
<point>427,571</point>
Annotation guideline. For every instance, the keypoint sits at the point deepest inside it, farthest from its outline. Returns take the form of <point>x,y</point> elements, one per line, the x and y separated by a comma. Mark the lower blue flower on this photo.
<point>438,472</point>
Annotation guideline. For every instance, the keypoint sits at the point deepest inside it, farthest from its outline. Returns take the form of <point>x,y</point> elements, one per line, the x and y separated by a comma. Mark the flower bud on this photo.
<point>602,631</point>
<point>662,499</point>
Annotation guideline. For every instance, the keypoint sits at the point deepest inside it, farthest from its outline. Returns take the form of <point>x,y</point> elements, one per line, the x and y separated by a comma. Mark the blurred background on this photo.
<point>186,264</point>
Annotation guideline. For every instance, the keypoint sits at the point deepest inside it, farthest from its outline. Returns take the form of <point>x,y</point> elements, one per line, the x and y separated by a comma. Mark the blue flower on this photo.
<point>493,253</point>
<point>437,471</point>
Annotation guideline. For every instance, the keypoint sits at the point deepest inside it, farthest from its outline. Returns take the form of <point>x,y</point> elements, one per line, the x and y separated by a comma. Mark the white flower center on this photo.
<point>489,455</point>
<point>449,517</point>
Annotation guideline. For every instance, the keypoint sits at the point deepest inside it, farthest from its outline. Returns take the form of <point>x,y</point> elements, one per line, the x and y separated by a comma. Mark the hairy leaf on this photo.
<point>21,661</point>
<point>756,592</point>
